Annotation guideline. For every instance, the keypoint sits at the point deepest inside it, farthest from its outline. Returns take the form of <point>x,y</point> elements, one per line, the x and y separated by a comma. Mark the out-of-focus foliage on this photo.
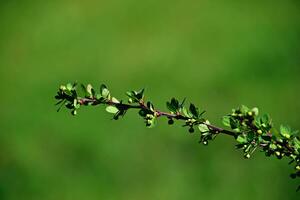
<point>221,53</point>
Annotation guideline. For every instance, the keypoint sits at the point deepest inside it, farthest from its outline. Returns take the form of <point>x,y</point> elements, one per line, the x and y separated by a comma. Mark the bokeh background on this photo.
<point>218,54</point>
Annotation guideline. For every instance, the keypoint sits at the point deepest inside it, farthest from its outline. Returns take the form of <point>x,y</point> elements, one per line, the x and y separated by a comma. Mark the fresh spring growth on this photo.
<point>250,130</point>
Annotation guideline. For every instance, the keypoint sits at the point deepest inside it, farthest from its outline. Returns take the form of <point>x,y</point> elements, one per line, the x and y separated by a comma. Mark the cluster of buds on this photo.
<point>149,120</point>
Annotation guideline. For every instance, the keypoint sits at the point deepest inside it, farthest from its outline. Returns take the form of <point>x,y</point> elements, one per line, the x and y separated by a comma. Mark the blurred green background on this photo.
<point>218,54</point>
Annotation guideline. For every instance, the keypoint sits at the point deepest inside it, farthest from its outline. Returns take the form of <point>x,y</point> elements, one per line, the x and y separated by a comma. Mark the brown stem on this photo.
<point>159,113</point>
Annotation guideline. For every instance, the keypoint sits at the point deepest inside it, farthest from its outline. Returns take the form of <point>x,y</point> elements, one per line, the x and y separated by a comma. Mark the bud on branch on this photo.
<point>250,130</point>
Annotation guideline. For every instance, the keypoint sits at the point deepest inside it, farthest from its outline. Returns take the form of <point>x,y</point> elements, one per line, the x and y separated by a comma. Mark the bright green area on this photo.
<point>218,54</point>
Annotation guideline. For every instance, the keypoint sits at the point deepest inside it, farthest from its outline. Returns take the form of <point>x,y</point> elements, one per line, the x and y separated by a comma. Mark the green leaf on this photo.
<point>182,103</point>
<point>171,107</point>
<point>234,123</point>
<point>273,146</point>
<point>186,112</point>
<point>150,106</point>
<point>136,96</point>
<point>296,143</point>
<point>255,111</point>
<point>285,131</point>
<point>241,139</point>
<point>89,90</point>
<point>120,113</point>
<point>115,100</point>
<point>265,119</point>
<point>69,86</point>
<point>98,96</point>
<point>203,128</point>
<point>226,121</point>
<point>112,109</point>
<point>244,109</point>
<point>129,94</point>
<point>104,91</point>
<point>102,87</point>
<point>250,136</point>
<point>175,103</point>
<point>194,110</point>
<point>140,94</point>
<point>76,105</point>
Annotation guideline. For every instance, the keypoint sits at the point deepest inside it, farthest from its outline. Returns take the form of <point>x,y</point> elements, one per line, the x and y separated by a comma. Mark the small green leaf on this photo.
<point>273,146</point>
<point>112,109</point>
<point>129,94</point>
<point>285,131</point>
<point>226,121</point>
<point>135,96</point>
<point>98,96</point>
<point>241,139</point>
<point>244,109</point>
<point>182,103</point>
<point>69,86</point>
<point>170,107</point>
<point>102,87</point>
<point>186,112</point>
<point>114,100</point>
<point>203,128</point>
<point>150,106</point>
<point>143,113</point>
<point>140,94</point>
<point>255,111</point>
<point>233,123</point>
<point>175,103</point>
<point>104,91</point>
<point>89,89</point>
<point>62,87</point>
<point>265,119</point>
<point>194,110</point>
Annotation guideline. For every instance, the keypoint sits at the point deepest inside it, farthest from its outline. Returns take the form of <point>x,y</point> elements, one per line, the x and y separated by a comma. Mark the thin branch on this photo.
<point>142,105</point>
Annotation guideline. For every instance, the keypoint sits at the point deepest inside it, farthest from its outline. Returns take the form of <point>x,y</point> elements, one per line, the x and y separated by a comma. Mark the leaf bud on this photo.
<point>247,156</point>
<point>149,116</point>
<point>278,154</point>
<point>62,87</point>
<point>171,121</point>
<point>191,130</point>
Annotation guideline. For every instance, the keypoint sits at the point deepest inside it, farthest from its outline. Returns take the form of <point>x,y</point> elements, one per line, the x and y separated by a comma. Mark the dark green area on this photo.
<point>218,54</point>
